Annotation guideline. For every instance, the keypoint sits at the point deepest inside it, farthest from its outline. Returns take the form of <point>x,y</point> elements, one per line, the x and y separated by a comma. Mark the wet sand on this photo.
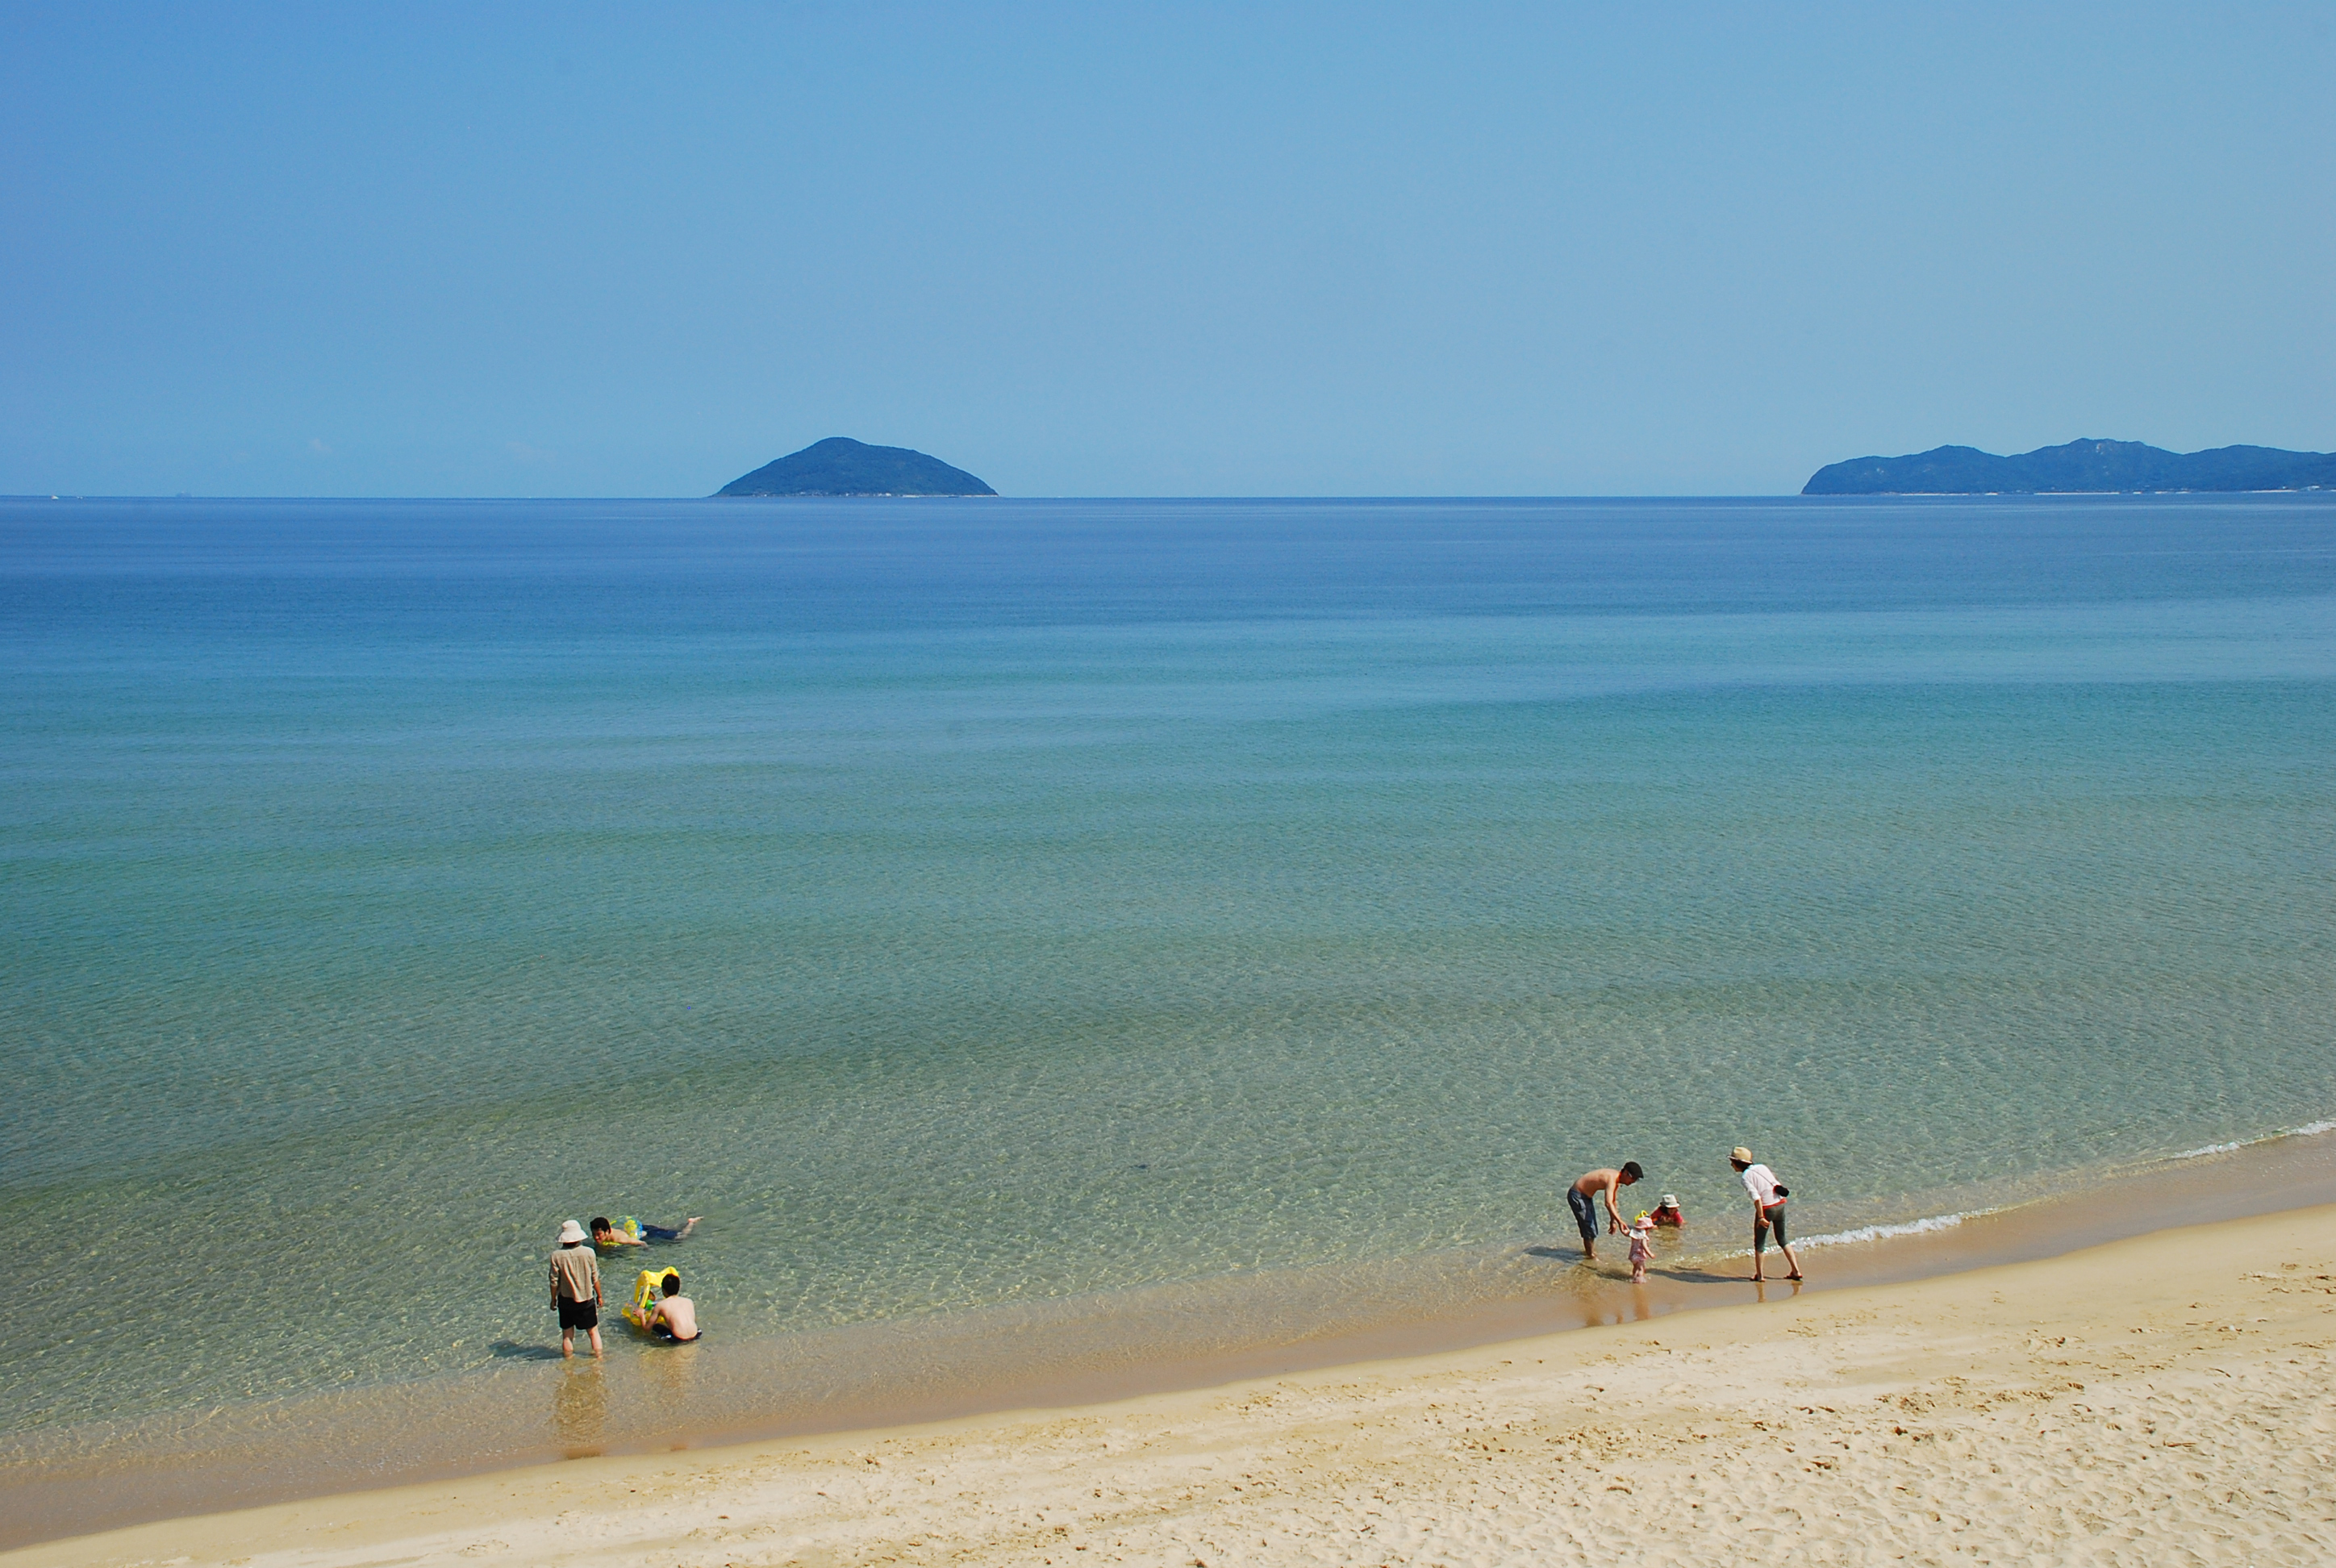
<point>2163,1399</point>
<point>1069,1355</point>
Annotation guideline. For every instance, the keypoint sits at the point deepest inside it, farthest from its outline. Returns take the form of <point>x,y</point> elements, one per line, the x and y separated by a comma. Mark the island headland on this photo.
<point>843,466</point>
<point>2080,467</point>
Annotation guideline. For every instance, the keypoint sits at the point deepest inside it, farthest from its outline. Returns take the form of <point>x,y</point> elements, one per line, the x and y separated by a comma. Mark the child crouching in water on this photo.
<point>1642,1247</point>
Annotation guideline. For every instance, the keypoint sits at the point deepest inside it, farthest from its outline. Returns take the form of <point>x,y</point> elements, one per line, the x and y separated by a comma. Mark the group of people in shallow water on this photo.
<point>575,1263</point>
<point>576,1283</point>
<point>1601,1186</point>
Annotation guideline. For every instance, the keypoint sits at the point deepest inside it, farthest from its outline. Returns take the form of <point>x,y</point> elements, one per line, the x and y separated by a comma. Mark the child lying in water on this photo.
<point>636,1235</point>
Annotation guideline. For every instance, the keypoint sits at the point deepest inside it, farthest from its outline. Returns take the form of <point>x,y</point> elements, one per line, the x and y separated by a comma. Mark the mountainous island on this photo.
<point>2080,467</point>
<point>841,466</point>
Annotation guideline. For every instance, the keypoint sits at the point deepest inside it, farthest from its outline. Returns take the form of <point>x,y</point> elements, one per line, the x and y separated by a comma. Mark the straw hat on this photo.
<point>1740,1155</point>
<point>570,1233</point>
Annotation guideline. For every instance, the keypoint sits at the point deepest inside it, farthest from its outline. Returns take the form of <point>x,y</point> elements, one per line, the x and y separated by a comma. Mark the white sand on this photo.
<point>2164,1400</point>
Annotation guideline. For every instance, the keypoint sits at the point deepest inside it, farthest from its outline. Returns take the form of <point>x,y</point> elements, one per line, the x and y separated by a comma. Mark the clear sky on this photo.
<point>1545,249</point>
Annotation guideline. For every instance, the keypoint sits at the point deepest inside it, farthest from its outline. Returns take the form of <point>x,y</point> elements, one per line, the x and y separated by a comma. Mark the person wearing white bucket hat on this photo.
<point>576,1287</point>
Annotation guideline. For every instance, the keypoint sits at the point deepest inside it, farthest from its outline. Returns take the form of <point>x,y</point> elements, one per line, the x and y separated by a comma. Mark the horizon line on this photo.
<point>1284,496</point>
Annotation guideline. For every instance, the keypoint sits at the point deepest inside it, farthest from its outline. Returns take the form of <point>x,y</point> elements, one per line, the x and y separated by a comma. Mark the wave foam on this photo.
<point>2309,1130</point>
<point>1949,1221</point>
<point>1884,1232</point>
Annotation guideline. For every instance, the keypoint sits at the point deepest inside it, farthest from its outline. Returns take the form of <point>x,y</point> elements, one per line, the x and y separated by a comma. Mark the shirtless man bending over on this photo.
<point>1583,1199</point>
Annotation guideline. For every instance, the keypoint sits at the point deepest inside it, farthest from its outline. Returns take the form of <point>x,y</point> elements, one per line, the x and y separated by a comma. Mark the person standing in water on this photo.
<point>1769,1196</point>
<point>1583,1198</point>
<point>576,1288</point>
<point>1642,1247</point>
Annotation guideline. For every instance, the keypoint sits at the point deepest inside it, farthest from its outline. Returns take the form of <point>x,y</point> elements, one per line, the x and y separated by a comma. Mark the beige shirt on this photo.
<point>575,1273</point>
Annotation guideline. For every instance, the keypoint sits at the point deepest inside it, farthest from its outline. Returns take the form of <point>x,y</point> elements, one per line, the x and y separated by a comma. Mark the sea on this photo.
<point>1054,937</point>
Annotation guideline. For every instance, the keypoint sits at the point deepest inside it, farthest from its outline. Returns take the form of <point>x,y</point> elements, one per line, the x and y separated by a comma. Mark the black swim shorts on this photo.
<point>1585,1213</point>
<point>579,1314</point>
<point>1771,1218</point>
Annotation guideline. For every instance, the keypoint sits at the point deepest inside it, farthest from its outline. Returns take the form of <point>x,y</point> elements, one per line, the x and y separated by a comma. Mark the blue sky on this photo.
<point>625,250</point>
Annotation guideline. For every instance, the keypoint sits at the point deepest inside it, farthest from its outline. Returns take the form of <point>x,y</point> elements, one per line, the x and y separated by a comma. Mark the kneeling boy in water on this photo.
<point>676,1317</point>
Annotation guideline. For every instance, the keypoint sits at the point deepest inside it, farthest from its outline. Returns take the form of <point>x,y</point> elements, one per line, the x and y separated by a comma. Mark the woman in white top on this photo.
<point>1768,1209</point>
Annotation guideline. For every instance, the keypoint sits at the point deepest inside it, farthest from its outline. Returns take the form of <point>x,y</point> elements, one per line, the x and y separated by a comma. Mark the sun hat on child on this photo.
<point>570,1233</point>
<point>1740,1155</point>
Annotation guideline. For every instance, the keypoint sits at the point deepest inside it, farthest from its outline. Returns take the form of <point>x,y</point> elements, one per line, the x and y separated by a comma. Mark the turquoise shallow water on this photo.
<point>971,904</point>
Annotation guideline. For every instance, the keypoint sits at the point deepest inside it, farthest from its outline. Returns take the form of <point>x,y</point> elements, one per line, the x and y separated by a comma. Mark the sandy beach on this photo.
<point>2163,1400</point>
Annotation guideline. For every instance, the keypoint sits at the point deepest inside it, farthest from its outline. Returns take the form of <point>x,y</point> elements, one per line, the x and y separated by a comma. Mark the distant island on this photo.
<point>2080,467</point>
<point>841,466</point>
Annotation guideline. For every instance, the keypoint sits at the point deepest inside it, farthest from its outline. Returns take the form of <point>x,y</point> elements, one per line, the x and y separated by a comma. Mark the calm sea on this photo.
<point>971,907</point>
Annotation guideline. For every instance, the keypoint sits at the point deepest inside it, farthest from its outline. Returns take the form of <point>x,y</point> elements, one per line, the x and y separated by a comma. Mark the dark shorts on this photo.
<point>660,1234</point>
<point>1771,1218</point>
<point>579,1314</point>
<point>1585,1214</point>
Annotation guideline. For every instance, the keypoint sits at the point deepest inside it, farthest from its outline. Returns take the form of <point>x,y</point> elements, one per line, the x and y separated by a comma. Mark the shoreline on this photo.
<point>335,1445</point>
<point>2138,1392</point>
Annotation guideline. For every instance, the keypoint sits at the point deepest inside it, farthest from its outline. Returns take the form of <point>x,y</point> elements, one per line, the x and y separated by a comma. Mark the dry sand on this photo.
<point>2162,1400</point>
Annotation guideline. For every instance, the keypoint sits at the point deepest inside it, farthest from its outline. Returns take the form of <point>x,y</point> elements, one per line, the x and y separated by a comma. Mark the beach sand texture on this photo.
<point>2161,1400</point>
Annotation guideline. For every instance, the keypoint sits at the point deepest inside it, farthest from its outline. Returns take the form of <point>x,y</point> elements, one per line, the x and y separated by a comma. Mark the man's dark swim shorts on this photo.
<point>1773,1220</point>
<point>579,1314</point>
<point>1585,1213</point>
